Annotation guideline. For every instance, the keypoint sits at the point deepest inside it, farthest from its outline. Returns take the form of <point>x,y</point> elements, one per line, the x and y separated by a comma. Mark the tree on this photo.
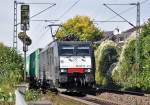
<point>79,28</point>
<point>106,54</point>
<point>145,46</point>
<point>126,73</point>
<point>145,57</point>
<point>11,64</point>
<point>123,73</point>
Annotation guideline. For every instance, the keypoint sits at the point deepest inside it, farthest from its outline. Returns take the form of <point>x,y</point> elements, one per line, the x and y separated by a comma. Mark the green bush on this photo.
<point>127,58</point>
<point>101,55</point>
<point>32,95</point>
<point>11,65</point>
<point>127,73</point>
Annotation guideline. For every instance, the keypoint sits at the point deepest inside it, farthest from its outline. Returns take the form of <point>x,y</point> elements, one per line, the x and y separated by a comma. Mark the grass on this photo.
<point>58,100</point>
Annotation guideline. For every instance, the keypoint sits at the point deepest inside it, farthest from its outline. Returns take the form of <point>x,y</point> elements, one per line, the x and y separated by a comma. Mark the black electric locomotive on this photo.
<point>67,64</point>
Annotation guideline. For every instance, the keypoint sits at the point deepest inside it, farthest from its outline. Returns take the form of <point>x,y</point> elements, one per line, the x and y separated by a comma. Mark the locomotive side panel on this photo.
<point>53,63</point>
<point>48,64</point>
<point>42,65</point>
<point>37,60</point>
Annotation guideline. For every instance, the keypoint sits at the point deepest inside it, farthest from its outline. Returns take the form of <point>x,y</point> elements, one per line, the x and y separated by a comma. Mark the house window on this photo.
<point>121,39</point>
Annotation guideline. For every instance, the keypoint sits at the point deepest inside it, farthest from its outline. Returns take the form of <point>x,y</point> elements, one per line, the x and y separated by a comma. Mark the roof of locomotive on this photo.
<point>65,42</point>
<point>74,42</point>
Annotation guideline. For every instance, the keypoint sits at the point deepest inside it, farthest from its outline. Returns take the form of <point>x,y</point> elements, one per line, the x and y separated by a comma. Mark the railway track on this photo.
<point>95,100</point>
<point>88,100</point>
<point>101,90</point>
<point>101,101</point>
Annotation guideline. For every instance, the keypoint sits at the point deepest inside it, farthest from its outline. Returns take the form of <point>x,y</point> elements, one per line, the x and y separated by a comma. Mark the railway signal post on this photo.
<point>22,35</point>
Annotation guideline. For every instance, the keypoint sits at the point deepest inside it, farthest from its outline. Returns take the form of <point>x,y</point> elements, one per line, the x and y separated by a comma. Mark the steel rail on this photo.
<point>103,100</point>
<point>80,100</point>
<point>90,100</point>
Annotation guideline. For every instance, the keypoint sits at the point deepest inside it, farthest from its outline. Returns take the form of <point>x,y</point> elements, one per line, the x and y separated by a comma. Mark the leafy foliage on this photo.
<point>32,95</point>
<point>124,70</point>
<point>81,27</point>
<point>145,46</point>
<point>126,73</point>
<point>10,69</point>
<point>102,64</point>
<point>145,57</point>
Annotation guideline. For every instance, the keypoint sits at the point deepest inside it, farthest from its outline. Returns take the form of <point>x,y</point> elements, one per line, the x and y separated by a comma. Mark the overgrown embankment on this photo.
<point>11,64</point>
<point>128,73</point>
<point>106,55</point>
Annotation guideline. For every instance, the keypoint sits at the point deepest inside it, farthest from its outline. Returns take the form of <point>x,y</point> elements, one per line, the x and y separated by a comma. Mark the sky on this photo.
<point>40,33</point>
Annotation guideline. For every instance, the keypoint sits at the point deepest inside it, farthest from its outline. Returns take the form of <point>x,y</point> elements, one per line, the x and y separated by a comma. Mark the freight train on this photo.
<point>62,64</point>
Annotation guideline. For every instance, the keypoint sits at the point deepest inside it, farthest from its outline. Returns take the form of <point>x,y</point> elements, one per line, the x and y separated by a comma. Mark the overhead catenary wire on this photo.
<point>39,38</point>
<point>123,12</point>
<point>109,19</point>
<point>127,10</point>
<point>69,9</point>
<point>64,13</point>
<point>38,3</point>
<point>119,15</point>
<point>144,1</point>
<point>52,4</point>
<point>43,11</point>
<point>45,20</point>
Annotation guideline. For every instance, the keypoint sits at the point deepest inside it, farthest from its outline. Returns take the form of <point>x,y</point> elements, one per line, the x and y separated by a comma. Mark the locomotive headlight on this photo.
<point>87,70</point>
<point>63,70</point>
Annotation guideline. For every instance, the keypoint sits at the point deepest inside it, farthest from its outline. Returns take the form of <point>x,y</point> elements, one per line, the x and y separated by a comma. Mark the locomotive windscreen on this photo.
<point>76,49</point>
<point>81,50</point>
<point>66,50</point>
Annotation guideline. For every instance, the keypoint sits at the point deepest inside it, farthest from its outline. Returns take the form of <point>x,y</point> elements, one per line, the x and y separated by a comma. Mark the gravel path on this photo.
<point>126,99</point>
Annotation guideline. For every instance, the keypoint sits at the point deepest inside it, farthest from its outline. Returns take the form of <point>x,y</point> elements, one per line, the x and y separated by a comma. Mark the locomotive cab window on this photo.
<point>81,50</point>
<point>66,50</point>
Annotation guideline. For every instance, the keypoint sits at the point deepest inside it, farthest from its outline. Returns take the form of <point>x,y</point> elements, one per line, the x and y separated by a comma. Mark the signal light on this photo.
<point>25,17</point>
<point>24,38</point>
